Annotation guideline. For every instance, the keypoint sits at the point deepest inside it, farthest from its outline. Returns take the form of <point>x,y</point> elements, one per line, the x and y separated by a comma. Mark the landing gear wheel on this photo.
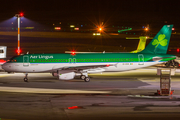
<point>82,77</point>
<point>87,79</point>
<point>25,80</point>
<point>176,64</point>
<point>26,77</point>
<point>167,64</point>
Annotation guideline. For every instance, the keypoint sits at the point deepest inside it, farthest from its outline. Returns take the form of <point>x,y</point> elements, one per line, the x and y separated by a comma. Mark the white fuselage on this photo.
<point>51,67</point>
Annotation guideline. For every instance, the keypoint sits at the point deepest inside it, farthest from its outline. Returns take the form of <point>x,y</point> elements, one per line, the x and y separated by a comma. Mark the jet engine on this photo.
<point>66,76</point>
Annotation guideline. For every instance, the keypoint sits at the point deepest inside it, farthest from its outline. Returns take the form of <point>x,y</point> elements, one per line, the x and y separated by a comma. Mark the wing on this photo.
<point>78,69</point>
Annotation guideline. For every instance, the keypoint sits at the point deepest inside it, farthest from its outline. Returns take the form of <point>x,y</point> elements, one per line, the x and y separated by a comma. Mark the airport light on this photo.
<point>146,29</point>
<point>18,51</point>
<point>19,16</point>
<point>96,33</point>
<point>57,28</point>
<point>100,29</point>
<point>76,28</point>
<point>177,50</point>
<point>72,26</point>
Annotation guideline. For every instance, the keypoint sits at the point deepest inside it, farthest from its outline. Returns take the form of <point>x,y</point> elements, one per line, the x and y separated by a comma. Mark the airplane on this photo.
<point>3,50</point>
<point>67,66</point>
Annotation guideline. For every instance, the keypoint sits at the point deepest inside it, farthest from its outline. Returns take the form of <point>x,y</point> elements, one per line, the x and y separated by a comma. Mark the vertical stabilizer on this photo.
<point>159,44</point>
<point>141,45</point>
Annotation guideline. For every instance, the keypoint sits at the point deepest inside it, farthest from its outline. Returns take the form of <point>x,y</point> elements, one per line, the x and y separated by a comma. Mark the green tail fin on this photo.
<point>159,44</point>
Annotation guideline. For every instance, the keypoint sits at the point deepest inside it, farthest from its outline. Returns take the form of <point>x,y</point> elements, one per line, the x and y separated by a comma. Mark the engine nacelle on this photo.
<point>67,76</point>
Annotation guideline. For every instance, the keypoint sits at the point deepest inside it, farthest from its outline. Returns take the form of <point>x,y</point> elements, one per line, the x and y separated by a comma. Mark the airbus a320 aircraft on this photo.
<point>67,66</point>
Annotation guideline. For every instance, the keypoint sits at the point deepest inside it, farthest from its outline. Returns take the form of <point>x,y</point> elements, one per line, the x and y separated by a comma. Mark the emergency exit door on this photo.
<point>141,59</point>
<point>25,61</point>
<point>72,60</point>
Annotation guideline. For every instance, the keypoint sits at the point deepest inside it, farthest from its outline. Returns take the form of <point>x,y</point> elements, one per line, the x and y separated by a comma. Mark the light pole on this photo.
<point>19,16</point>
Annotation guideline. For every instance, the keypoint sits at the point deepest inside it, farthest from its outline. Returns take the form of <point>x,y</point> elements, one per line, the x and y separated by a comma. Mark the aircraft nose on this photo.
<point>4,66</point>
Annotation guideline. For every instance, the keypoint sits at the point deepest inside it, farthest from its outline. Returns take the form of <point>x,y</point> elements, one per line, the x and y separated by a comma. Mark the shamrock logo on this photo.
<point>161,40</point>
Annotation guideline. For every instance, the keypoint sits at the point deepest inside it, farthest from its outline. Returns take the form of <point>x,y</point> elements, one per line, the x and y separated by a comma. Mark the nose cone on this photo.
<point>5,66</point>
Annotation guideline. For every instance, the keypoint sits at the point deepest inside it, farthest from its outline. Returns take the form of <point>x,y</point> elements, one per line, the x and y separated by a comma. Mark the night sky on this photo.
<point>121,11</point>
<point>131,13</point>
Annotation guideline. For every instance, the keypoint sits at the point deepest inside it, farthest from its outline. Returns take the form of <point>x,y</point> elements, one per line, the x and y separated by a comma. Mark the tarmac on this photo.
<point>123,95</point>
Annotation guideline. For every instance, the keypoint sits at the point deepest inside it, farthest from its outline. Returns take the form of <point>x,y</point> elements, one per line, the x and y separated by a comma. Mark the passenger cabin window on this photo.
<point>1,51</point>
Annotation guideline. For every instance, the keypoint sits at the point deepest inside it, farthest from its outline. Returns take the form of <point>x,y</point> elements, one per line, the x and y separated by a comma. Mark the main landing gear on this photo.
<point>85,77</point>
<point>26,77</point>
<point>172,63</point>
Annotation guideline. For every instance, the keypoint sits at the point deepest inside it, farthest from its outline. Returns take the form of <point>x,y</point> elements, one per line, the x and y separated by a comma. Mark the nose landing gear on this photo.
<point>26,77</point>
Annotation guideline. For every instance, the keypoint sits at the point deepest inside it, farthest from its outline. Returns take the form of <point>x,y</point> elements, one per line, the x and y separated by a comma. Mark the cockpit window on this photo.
<point>12,59</point>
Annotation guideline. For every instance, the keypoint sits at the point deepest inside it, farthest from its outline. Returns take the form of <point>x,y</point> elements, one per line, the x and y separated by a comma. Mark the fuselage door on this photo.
<point>72,60</point>
<point>141,59</point>
<point>25,61</point>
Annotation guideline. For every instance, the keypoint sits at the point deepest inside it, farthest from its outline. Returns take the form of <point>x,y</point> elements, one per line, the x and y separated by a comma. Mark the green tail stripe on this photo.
<point>159,44</point>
